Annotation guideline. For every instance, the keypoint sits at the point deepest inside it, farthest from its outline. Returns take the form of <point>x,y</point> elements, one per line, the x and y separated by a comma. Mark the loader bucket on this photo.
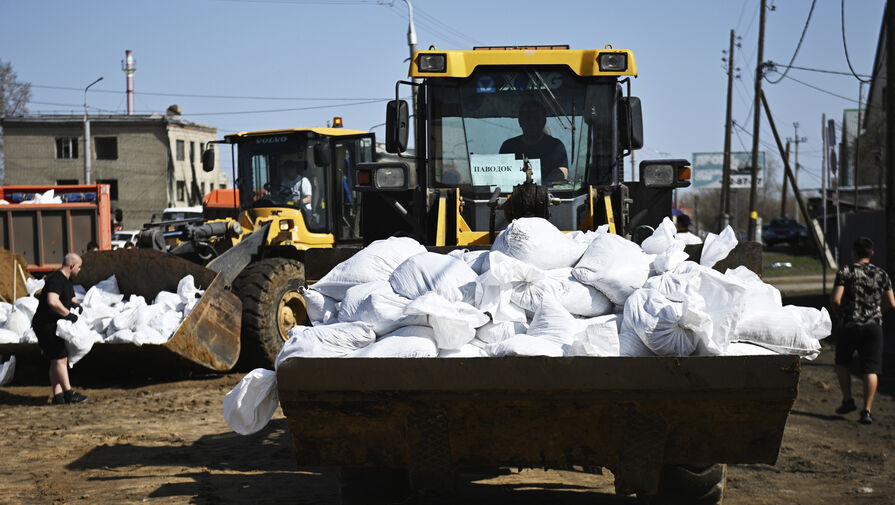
<point>209,337</point>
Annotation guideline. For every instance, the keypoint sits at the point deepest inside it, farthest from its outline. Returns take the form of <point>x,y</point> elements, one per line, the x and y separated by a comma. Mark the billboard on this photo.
<point>708,169</point>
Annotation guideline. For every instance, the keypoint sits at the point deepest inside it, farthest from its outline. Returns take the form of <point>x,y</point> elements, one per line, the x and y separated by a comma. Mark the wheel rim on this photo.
<point>291,312</point>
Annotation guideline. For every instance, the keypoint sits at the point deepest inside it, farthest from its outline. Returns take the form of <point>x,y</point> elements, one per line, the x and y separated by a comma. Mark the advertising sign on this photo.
<point>708,168</point>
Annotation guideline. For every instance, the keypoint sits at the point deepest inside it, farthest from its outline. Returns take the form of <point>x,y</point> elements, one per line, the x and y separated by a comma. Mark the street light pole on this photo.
<point>87,154</point>
<point>411,42</point>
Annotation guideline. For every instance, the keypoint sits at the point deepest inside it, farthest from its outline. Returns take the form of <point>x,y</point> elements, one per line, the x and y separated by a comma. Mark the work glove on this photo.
<point>71,317</point>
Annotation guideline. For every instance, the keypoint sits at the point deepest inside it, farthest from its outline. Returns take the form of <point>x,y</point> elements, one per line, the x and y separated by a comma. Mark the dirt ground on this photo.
<point>160,441</point>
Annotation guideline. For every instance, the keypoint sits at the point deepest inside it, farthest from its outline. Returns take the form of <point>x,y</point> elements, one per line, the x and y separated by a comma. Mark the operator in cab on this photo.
<point>298,186</point>
<point>536,144</point>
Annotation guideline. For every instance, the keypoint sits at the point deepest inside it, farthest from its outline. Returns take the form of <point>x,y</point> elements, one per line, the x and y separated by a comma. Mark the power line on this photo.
<point>229,97</point>
<point>346,104</point>
<point>772,64</point>
<point>845,47</point>
<point>799,45</point>
<point>824,91</point>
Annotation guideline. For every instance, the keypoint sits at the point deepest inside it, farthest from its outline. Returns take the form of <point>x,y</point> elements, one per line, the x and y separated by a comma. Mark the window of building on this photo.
<point>192,152</point>
<point>113,187</point>
<point>66,182</point>
<point>202,189</point>
<point>106,148</point>
<point>222,186</point>
<point>66,147</point>
<point>181,191</point>
<point>180,149</point>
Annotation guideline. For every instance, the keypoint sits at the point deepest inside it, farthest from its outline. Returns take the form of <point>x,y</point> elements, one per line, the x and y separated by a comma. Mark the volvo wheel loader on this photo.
<point>502,133</point>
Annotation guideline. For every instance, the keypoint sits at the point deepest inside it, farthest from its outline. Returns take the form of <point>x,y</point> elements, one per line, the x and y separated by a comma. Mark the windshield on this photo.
<point>278,171</point>
<point>482,129</point>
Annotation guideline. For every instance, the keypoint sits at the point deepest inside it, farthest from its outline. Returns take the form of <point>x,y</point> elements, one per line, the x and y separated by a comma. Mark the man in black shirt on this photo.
<point>859,293</point>
<point>534,143</point>
<point>55,302</point>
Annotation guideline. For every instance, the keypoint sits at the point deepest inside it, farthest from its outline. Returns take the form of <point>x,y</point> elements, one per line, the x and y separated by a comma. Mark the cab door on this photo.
<point>347,153</point>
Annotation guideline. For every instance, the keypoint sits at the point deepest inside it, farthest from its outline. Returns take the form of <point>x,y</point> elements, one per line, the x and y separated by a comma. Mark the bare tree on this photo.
<point>14,95</point>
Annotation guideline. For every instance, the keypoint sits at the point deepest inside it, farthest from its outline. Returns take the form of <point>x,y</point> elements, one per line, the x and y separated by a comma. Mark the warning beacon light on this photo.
<point>337,122</point>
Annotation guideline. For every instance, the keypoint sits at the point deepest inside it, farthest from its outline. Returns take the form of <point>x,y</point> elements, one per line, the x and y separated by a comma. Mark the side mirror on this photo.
<point>630,123</point>
<point>322,156</point>
<point>208,160</point>
<point>397,126</point>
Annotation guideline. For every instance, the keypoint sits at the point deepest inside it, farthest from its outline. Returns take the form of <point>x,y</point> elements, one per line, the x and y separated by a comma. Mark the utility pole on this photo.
<point>756,125</point>
<point>858,143</point>
<point>725,173</point>
<point>411,42</point>
<point>785,184</point>
<point>796,140</point>
<point>890,146</point>
<point>87,154</point>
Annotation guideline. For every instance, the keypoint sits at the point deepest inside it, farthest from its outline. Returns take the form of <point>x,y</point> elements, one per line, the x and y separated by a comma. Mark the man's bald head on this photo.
<point>72,259</point>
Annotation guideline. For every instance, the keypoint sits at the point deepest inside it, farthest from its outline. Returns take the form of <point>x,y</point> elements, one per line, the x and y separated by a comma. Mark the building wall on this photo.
<point>182,191</point>
<point>145,172</point>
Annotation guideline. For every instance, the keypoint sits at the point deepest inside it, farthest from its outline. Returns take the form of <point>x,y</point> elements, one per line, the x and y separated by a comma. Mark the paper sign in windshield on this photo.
<point>502,170</point>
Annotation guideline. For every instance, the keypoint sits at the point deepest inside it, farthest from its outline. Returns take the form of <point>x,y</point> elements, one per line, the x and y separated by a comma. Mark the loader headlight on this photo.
<point>665,173</point>
<point>285,224</point>
<point>432,62</point>
<point>613,62</point>
<point>385,176</point>
<point>389,178</point>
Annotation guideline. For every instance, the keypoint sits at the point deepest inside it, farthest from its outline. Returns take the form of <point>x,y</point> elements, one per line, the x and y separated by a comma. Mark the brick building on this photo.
<point>150,161</point>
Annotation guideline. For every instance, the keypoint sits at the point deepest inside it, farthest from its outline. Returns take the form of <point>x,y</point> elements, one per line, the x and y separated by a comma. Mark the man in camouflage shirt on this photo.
<point>859,292</point>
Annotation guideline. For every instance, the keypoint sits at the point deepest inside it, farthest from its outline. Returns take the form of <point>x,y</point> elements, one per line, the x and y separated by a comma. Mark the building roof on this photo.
<point>155,118</point>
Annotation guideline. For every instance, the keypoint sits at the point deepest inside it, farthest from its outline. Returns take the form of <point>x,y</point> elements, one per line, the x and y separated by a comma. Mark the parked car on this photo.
<point>783,230</point>
<point>122,237</point>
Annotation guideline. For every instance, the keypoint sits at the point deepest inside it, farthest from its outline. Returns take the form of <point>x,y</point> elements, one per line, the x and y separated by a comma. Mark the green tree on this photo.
<point>14,95</point>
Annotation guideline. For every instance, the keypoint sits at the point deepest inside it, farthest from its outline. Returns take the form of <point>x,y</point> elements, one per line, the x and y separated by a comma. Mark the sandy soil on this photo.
<point>160,441</point>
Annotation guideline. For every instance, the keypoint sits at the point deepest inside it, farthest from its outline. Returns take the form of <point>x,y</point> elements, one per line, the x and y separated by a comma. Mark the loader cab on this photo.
<point>306,170</point>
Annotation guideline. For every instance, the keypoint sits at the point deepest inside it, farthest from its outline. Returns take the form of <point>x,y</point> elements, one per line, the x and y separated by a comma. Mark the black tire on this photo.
<point>690,485</point>
<point>271,305</point>
<point>373,485</point>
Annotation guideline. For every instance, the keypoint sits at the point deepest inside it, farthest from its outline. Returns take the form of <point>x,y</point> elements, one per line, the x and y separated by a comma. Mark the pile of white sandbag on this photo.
<point>538,292</point>
<point>104,316</point>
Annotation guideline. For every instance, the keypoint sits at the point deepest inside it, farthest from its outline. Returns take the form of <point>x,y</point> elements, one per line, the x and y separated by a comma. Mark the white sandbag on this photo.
<point>525,345</point>
<point>171,301</point>
<point>126,318</point>
<point>670,258</point>
<point>355,295</point>
<point>717,247</point>
<point>47,197</point>
<point>661,239</point>
<point>600,337</point>
<point>34,285</point>
<point>187,290</point>
<point>122,336</point>
<point>29,337</point>
<point>477,260</point>
<point>787,330</point>
<point>494,332</point>
<point>321,308</point>
<point>376,262</point>
<point>79,338</point>
<point>80,293</point>
<point>667,328</point>
<point>538,242</point>
<point>5,309</point>
<point>103,293</point>
<point>9,337</point>
<point>630,344</point>
<point>554,323</point>
<point>384,312</point>
<point>249,406</point>
<point>166,322</point>
<point>145,334</point>
<point>759,296</point>
<point>432,272</point>
<point>337,339</point>
<point>28,306</point>
<point>474,349</point>
<point>18,322</point>
<point>494,288</point>
<point>99,317</point>
<point>454,323</point>
<point>578,298</point>
<point>399,346</point>
<point>747,349</point>
<point>7,370</point>
<point>614,265</point>
<point>688,238</point>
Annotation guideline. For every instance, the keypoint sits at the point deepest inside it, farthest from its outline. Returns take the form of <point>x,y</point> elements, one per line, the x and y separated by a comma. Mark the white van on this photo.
<point>176,213</point>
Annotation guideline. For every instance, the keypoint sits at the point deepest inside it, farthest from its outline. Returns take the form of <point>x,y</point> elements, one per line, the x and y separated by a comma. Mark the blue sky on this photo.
<point>314,59</point>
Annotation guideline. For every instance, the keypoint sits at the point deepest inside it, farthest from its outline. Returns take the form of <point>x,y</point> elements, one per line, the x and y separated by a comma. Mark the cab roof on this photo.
<point>581,61</point>
<point>331,132</point>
